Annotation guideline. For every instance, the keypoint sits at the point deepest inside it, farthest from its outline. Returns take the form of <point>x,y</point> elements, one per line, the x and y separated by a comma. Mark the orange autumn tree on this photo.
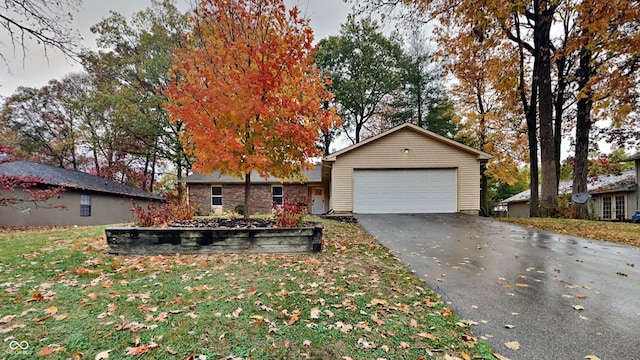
<point>248,92</point>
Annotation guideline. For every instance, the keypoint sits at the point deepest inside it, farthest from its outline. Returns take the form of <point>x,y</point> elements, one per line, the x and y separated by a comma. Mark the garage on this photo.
<point>380,191</point>
<point>407,170</point>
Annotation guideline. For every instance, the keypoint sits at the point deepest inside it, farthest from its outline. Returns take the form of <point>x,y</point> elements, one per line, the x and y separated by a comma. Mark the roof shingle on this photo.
<point>70,179</point>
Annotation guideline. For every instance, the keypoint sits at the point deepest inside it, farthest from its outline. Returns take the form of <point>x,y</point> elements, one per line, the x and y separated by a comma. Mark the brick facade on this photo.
<point>297,193</point>
<point>233,194</point>
<point>200,195</point>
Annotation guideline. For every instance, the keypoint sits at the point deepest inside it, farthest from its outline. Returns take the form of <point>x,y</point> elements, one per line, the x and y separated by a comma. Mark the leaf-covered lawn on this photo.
<point>625,233</point>
<point>67,298</point>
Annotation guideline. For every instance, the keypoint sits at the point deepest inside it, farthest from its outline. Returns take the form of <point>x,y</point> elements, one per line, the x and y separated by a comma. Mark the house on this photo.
<point>88,199</point>
<point>613,196</point>
<point>215,193</point>
<point>406,169</point>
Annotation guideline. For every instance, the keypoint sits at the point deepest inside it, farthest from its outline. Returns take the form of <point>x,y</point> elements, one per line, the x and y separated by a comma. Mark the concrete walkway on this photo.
<point>557,296</point>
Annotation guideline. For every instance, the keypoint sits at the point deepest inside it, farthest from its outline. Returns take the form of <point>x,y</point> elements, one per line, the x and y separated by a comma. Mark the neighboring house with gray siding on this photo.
<point>613,196</point>
<point>88,199</point>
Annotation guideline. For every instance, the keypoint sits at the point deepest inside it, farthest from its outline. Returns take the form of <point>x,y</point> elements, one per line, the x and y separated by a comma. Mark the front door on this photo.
<point>317,201</point>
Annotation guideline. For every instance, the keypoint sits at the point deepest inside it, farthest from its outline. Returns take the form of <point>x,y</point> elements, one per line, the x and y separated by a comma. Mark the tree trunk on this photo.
<point>549,193</point>
<point>247,194</point>
<point>583,128</point>
<point>484,191</point>
<point>530,111</point>
<point>559,111</point>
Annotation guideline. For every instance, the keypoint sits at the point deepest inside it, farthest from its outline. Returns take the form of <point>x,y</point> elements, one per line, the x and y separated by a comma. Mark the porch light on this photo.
<point>406,150</point>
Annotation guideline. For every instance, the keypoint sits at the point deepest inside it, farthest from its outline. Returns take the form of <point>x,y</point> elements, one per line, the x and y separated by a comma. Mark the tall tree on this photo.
<point>605,42</point>
<point>133,70</point>
<point>421,100</point>
<point>365,68</point>
<point>248,91</point>
<point>47,130</point>
<point>484,87</point>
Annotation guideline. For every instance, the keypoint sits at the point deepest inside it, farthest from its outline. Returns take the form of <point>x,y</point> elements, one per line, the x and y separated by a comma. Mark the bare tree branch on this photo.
<point>44,22</point>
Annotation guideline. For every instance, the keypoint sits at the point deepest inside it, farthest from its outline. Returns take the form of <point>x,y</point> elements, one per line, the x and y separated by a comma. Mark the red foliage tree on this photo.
<point>248,92</point>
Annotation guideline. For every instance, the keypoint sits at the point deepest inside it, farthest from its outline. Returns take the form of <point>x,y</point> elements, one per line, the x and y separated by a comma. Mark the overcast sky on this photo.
<point>36,70</point>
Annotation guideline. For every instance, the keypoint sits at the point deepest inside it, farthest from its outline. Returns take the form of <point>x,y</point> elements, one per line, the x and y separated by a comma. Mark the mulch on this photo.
<point>222,222</point>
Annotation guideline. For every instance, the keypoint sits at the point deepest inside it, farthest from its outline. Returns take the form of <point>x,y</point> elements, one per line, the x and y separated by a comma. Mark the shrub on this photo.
<point>161,214</point>
<point>290,214</point>
<point>153,215</point>
<point>181,211</point>
<point>239,209</point>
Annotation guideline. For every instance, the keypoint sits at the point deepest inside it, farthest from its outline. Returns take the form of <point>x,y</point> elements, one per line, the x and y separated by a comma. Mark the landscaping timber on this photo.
<point>190,240</point>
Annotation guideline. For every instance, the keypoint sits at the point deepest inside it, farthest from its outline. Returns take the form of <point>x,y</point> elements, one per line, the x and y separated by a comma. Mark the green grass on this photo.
<point>619,232</point>
<point>64,295</point>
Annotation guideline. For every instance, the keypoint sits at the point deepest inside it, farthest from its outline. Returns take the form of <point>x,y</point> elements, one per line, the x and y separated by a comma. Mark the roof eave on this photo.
<point>481,155</point>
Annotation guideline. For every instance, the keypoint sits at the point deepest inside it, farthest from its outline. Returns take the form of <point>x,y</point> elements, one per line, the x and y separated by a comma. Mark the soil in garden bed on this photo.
<point>228,223</point>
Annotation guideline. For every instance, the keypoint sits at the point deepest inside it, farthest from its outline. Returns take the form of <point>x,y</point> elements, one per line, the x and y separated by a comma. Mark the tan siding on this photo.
<point>387,153</point>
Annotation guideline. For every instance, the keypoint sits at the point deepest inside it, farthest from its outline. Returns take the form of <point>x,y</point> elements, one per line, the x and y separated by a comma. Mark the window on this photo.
<point>85,205</point>
<point>277,194</point>
<point>606,207</point>
<point>216,195</point>
<point>620,207</point>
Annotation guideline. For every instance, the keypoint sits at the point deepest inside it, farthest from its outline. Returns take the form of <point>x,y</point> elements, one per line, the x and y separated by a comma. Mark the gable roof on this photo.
<point>481,155</point>
<point>71,179</point>
<point>313,175</point>
<point>633,157</point>
<point>622,182</point>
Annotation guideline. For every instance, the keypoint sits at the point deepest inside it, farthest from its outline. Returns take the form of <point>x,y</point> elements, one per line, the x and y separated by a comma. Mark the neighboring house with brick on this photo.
<point>87,199</point>
<point>215,193</point>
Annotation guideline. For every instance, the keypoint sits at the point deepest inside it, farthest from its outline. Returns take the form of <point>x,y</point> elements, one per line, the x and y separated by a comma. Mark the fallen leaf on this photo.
<point>522,285</point>
<point>237,312</point>
<point>170,350</point>
<point>294,317</point>
<point>51,311</point>
<point>375,318</point>
<point>11,328</point>
<point>465,356</point>
<point>382,302</point>
<point>513,345</point>
<point>306,343</point>
<point>61,317</point>
<point>591,357</point>
<point>404,345</point>
<point>7,319</point>
<point>315,313</point>
<point>580,296</point>
<point>578,307</point>
<point>427,336</point>
<point>103,355</point>
<point>508,326</point>
<point>45,351</point>
<point>139,350</point>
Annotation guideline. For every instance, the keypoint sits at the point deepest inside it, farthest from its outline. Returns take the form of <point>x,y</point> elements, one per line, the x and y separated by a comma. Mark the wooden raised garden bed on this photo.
<point>196,240</point>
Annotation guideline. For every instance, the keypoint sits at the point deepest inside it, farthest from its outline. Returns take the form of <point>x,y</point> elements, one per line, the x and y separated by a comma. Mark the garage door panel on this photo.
<point>405,191</point>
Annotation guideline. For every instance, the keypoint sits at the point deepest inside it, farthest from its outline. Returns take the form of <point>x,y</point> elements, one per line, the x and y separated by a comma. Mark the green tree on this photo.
<point>365,69</point>
<point>132,72</point>
<point>422,100</point>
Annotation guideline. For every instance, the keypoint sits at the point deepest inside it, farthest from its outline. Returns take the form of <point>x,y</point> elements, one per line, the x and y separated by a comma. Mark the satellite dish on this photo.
<point>580,198</point>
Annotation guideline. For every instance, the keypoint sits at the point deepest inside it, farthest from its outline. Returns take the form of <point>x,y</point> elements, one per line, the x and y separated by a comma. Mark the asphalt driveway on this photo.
<point>557,296</point>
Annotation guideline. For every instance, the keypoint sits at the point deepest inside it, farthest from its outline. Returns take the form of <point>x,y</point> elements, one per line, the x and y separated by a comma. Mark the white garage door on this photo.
<point>404,191</point>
